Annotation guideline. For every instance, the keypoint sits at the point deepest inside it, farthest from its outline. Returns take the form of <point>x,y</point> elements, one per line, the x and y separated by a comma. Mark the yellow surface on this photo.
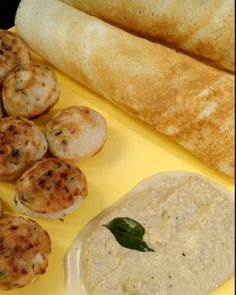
<point>133,152</point>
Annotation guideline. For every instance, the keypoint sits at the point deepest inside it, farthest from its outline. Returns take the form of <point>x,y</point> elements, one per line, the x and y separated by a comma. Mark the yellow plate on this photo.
<point>133,151</point>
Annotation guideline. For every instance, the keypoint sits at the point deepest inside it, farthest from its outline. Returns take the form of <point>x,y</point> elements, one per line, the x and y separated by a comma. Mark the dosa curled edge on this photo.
<point>204,28</point>
<point>190,102</point>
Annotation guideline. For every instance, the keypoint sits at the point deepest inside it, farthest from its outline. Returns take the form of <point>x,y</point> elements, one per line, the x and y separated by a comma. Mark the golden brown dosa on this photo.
<point>202,27</point>
<point>179,96</point>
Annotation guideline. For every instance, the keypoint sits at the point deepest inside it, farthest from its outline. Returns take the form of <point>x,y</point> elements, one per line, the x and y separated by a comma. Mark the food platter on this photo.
<point>133,151</point>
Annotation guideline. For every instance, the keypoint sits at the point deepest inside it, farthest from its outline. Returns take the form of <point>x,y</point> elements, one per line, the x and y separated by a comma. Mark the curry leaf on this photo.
<point>128,233</point>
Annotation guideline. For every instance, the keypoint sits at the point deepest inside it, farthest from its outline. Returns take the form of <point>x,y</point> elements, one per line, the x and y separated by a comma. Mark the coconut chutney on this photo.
<point>189,222</point>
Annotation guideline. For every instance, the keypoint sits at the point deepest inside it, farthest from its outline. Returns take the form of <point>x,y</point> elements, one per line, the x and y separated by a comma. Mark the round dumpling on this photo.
<point>52,188</point>
<point>25,246</point>
<point>21,144</point>
<point>13,52</point>
<point>30,91</point>
<point>76,132</point>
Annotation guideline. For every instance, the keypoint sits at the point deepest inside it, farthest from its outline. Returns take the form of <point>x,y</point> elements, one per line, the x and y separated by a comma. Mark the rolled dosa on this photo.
<point>204,28</point>
<point>190,102</point>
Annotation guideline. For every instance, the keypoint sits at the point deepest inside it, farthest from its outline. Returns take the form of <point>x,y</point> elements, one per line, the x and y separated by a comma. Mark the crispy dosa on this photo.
<point>190,102</point>
<point>204,28</point>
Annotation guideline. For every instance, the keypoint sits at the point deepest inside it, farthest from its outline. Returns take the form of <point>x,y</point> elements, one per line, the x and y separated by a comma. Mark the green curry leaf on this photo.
<point>128,233</point>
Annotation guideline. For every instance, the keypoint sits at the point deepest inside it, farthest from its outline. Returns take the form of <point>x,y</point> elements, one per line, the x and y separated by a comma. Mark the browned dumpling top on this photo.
<point>30,91</point>
<point>21,144</point>
<point>24,248</point>
<point>13,52</point>
<point>51,188</point>
<point>76,132</point>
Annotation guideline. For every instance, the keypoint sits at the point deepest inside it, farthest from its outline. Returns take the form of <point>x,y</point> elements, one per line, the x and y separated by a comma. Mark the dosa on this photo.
<point>203,28</point>
<point>189,101</point>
